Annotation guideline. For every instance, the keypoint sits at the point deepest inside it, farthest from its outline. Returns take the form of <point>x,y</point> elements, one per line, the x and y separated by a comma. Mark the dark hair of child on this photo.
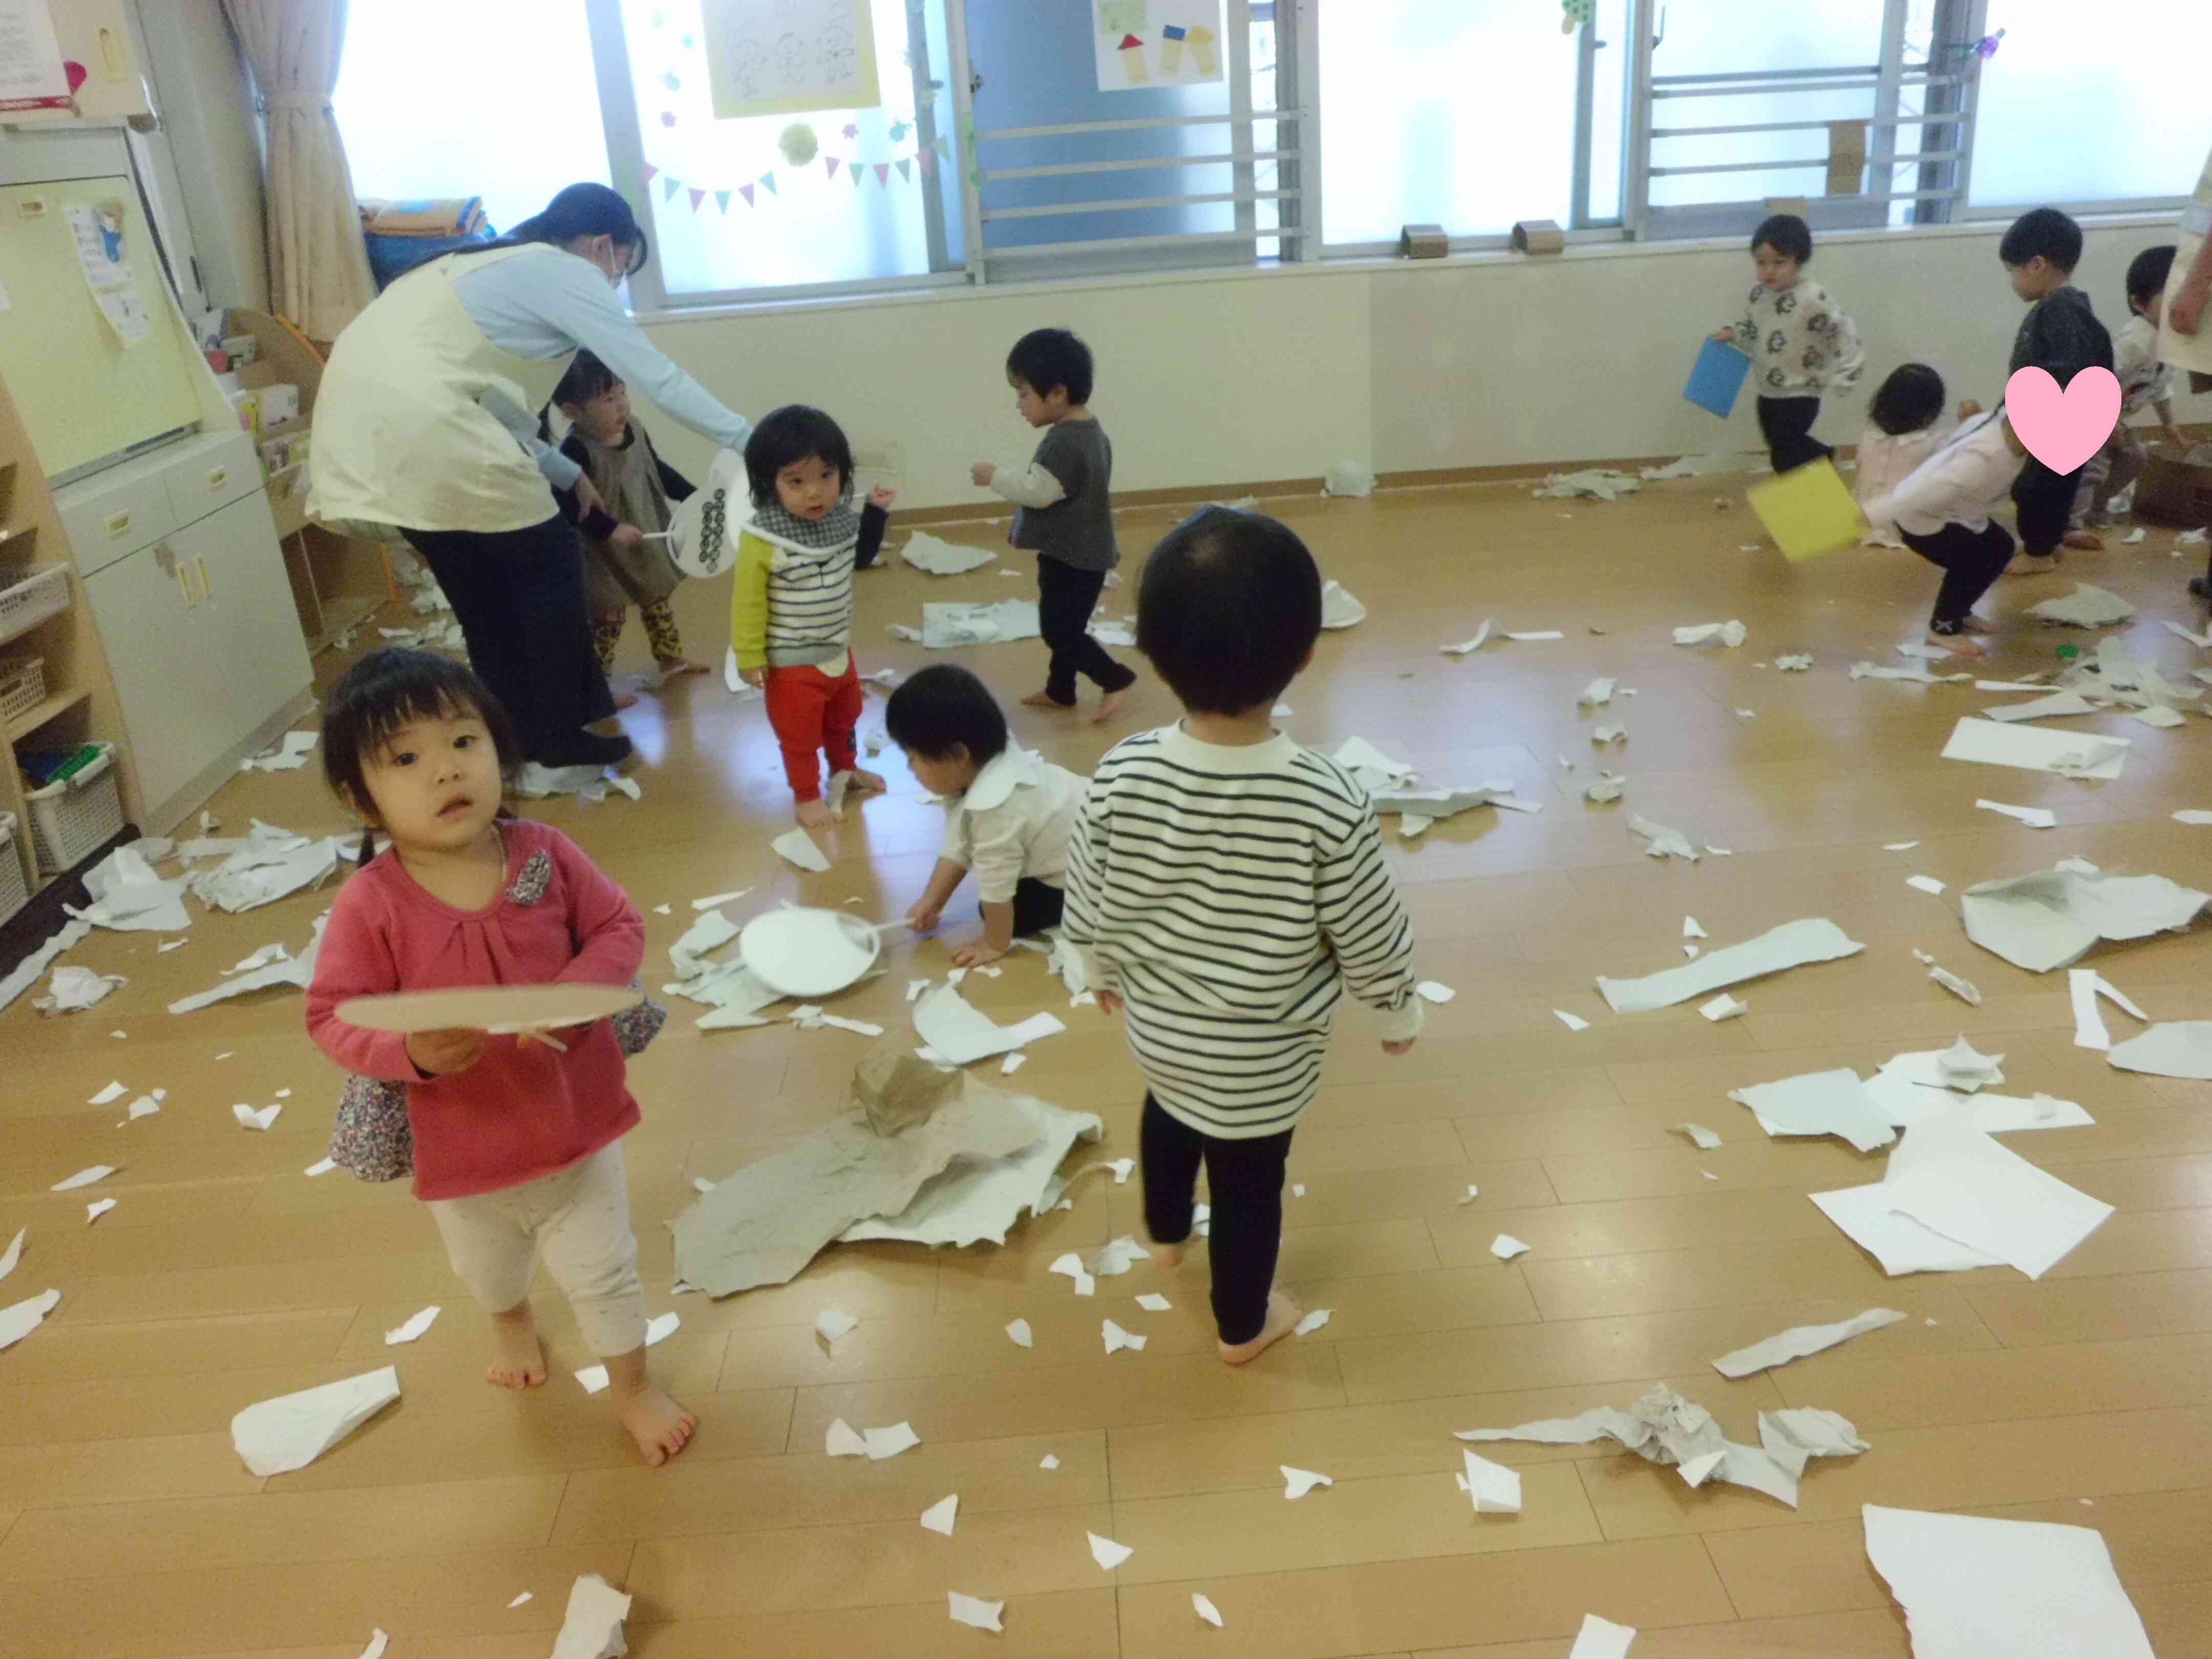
<point>585,378</point>
<point>1229,609</point>
<point>2043,232</point>
<point>1787,235</point>
<point>1909,400</point>
<point>2147,274</point>
<point>940,708</point>
<point>1048,358</point>
<point>388,690</point>
<point>791,434</point>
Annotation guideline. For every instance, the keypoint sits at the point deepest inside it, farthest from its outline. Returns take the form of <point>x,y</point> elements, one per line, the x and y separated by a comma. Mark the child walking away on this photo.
<point>791,615</point>
<point>626,559</point>
<point>1064,514</point>
<point>1226,885</point>
<point>2143,385</point>
<point>516,1142</point>
<point>1942,508</point>
<point>1010,813</point>
<point>1801,343</point>
<point>2060,335</point>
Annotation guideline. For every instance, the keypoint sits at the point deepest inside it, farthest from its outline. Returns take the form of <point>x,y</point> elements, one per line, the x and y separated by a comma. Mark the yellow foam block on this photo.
<point>1808,511</point>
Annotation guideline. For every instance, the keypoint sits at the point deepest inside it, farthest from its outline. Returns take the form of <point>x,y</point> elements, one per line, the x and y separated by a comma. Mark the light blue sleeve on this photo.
<point>542,308</point>
<point>557,469</point>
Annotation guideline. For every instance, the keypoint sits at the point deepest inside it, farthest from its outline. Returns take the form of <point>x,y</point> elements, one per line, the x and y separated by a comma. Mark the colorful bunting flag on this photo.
<point>697,197</point>
<point>644,173</point>
<point>722,200</point>
<point>831,161</point>
<point>767,183</point>
<point>884,175</point>
<point>669,187</point>
<point>906,169</point>
<point>928,159</point>
<point>746,191</point>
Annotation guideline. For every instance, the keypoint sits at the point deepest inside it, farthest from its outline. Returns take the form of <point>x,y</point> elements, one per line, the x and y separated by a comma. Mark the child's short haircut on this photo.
<point>1229,609</point>
<point>792,434</point>
<point>1048,357</point>
<point>394,688</point>
<point>586,377</point>
<point>2147,274</point>
<point>941,708</point>
<point>1787,235</point>
<point>1909,400</point>
<point>2045,232</point>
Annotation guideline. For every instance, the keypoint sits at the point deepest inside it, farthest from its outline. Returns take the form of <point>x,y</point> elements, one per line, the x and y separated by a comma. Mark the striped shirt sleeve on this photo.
<point>1363,917</point>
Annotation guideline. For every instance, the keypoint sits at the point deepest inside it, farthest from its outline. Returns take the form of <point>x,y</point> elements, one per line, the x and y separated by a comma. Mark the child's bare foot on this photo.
<point>815,814</point>
<point>1958,645</point>
<point>1974,624</point>
<point>518,1360</point>
<point>1109,705</point>
<point>865,782</point>
<point>1170,1255</point>
<point>2033,564</point>
<point>2088,541</point>
<point>1045,700</point>
<point>675,669</point>
<point>1282,1315</point>
<point>626,700</point>
<point>661,1426</point>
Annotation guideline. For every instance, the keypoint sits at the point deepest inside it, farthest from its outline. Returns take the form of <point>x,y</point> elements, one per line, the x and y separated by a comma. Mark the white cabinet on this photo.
<point>203,643</point>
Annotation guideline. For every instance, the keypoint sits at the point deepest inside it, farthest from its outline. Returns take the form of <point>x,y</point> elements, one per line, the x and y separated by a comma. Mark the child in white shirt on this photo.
<point>1887,458</point>
<point>2143,385</point>
<point>1801,343</point>
<point>1942,509</point>
<point>1010,813</point>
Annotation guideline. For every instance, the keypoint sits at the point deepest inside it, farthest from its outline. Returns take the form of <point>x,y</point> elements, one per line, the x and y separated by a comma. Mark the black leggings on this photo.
<point>1037,905</point>
<point>2044,501</point>
<point>1786,423</point>
<point>1970,560</point>
<point>1245,1178</point>
<point>519,597</point>
<point>1066,599</point>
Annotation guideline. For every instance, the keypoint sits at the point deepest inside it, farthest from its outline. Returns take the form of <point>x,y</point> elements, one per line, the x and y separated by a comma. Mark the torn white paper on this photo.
<point>1296,1483</point>
<point>833,1323</point>
<point>1475,643</point>
<point>798,848</point>
<point>13,1253</point>
<point>942,558</point>
<point>2055,917</point>
<point>2085,985</point>
<point>1597,692</point>
<point>1700,1137</point>
<point>1899,1244</point>
<point>1800,1340</point>
<point>1724,1006</point>
<point>1965,990</point>
<point>958,1031</point>
<point>2085,607</point>
<point>2035,817</point>
<point>592,1627</point>
<point>1793,662</point>
<point>129,897</point>
<point>1924,884</point>
<point>1602,484</point>
<point>1600,1638</point>
<point>19,1320</point>
<point>1728,633</point>
<point>83,1178</point>
<point>1957,1181</point>
<point>1312,1322</point>
<point>99,1207</point>
<point>1606,788</point>
<point>1660,843</point>
<point>1375,770</point>
<point>411,1329</point>
<point>2031,749</point>
<point>1819,1103</point>
<point>2178,1048</point>
<point>1793,944</point>
<point>938,1516</point>
<point>1018,1332</point>
<point>1505,1247</point>
<point>1206,1610</point>
<point>1338,608</point>
<point>2058,705</point>
<point>299,971</point>
<point>593,1378</point>
<point>1570,1021</point>
<point>975,1612</point>
<point>1914,673</point>
<point>1106,1553</point>
<point>1495,1489</point>
<point>1116,1339</point>
<point>275,1436</point>
<point>75,989</point>
<point>289,755</point>
<point>27,972</point>
<point>248,1118</point>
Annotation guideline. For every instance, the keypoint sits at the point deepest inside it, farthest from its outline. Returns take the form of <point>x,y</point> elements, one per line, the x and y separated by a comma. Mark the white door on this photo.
<point>148,628</point>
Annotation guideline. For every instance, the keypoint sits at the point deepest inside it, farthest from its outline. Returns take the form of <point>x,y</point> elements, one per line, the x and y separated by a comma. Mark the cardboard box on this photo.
<point>1847,153</point>
<point>2175,492</point>
<point>1537,236</point>
<point>1423,242</point>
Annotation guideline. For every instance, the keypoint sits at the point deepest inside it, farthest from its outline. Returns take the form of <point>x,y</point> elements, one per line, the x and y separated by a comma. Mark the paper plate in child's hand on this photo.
<point>500,1009</point>
<point>809,953</point>
<point>703,530</point>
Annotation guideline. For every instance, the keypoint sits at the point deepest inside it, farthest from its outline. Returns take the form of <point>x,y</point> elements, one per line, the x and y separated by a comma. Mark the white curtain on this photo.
<point>318,268</point>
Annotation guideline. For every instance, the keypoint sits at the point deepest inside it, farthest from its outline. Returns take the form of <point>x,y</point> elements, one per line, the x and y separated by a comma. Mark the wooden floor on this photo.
<point>129,1529</point>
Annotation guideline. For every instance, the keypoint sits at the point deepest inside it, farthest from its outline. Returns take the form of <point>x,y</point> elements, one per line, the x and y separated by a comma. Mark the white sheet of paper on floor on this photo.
<point>1018,1332</point>
<point>1972,1586</point>
<point>99,1207</point>
<point>593,1378</point>
<point>1375,770</point>
<point>1800,1340</point>
<point>2177,1048</point>
<point>841,1439</point>
<point>1728,633</point>
<point>248,1118</point>
<point>1899,1244</point>
<point>1819,1103</point>
<point>129,897</point>
<point>275,1437</point>
<point>2085,986</point>
<point>798,848</point>
<point>83,1178</point>
<point>938,1517</point>
<point>832,1323</point>
<point>592,1627</point>
<point>1700,1137</point>
<point>2055,917</point>
<point>19,1320</point>
<point>975,1612</point>
<point>942,558</point>
<point>1600,1638</point>
<point>1494,1489</point>
<point>409,1330</point>
<point>1106,1553</point>
<point>1924,884</point>
<point>1070,1265</point>
<point>1505,1247</point>
<point>1312,1322</point>
<point>962,1035</point>
<point>27,972</point>
<point>1916,673</point>
<point>1957,1181</point>
<point>1724,1006</point>
<point>1116,1339</point>
<point>2031,749</point>
<point>1429,991</point>
<point>1296,1483</point>
<point>1570,1021</point>
<point>1793,944</point>
<point>1049,1461</point>
<point>949,626</point>
<point>1661,841</point>
<point>2035,817</point>
<point>75,989</point>
<point>2085,607</point>
<point>1154,1302</point>
<point>2057,705</point>
<point>112,1092</point>
<point>1206,1609</point>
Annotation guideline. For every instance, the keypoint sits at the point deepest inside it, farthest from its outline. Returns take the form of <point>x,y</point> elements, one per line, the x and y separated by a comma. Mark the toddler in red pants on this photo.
<point>790,616</point>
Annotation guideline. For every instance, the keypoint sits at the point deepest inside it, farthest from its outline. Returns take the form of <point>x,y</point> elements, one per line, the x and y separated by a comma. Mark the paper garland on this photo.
<point>923,159</point>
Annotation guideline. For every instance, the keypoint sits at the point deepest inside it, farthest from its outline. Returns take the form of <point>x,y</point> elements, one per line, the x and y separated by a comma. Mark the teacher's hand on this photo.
<point>587,496</point>
<point>2184,309</point>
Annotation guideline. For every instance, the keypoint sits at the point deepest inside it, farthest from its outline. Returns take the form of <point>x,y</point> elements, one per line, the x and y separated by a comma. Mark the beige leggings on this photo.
<point>578,1220</point>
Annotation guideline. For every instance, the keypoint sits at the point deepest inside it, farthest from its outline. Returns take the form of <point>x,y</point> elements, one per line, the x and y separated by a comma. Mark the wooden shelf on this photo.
<point>60,704</point>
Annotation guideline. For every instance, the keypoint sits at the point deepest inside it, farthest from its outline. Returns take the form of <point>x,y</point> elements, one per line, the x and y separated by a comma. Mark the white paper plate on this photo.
<point>490,1007</point>
<point>808,953</point>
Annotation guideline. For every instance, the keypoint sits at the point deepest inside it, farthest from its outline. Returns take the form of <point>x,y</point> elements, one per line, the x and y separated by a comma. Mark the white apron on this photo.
<point>2189,351</point>
<point>399,436</point>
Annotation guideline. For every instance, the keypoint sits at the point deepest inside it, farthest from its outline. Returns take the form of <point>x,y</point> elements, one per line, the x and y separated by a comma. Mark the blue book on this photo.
<point>1718,376</point>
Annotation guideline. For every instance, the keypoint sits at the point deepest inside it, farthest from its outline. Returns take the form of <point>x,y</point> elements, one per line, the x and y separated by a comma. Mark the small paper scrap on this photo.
<point>593,1378</point>
<point>1505,1247</point>
<point>1154,1302</point>
<point>835,1323</point>
<point>93,1212</point>
<point>1018,1332</point>
<point>938,1516</point>
<point>975,1612</point>
<point>1312,1322</point>
<point>1925,884</point>
<point>798,847</point>
<point>249,1119</point>
<point>1495,1489</point>
<point>1721,1007</point>
<point>1117,1339</point>
<point>1106,1553</point>
<point>412,1328</point>
<point>1700,1137</point>
<point>1296,1483</point>
<point>1570,1021</point>
<point>1600,1638</point>
<point>1206,1610</point>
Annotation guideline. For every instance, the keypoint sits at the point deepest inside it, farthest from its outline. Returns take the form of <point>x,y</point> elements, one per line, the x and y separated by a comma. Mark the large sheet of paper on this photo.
<point>970,1202</point>
<point>2032,749</point>
<point>1793,944</point>
<point>2054,918</point>
<point>942,558</point>
<point>948,625</point>
<point>1904,1101</point>
<point>130,898</point>
<point>1973,1587</point>
<point>292,1431</point>
<point>1901,1245</point>
<point>2178,1048</point>
<point>1955,1180</point>
<point>786,57</point>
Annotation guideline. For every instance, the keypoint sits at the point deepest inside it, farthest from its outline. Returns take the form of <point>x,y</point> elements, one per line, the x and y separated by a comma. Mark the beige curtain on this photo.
<point>318,269</point>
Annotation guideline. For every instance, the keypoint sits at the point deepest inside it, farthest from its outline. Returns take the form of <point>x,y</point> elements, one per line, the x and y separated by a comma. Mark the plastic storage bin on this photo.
<point>29,594</point>
<point>22,685</point>
<point>13,894</point>
<point>74,818</point>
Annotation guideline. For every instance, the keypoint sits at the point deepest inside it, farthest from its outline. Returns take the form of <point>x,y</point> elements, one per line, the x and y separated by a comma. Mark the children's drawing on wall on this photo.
<point>102,256</point>
<point>1155,43</point>
<point>783,56</point>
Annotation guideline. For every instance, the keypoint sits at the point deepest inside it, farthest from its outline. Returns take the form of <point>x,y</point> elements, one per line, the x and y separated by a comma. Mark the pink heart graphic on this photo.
<point>2062,429</point>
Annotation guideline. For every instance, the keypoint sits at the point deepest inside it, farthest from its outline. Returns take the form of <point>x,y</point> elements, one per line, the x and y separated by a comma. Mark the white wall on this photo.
<point>1484,360</point>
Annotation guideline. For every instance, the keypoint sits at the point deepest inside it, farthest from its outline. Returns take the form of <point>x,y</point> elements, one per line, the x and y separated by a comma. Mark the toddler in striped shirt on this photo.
<point>1225,887</point>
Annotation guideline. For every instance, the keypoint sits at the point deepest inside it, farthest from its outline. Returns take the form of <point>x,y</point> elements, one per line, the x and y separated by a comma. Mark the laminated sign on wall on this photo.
<point>1155,43</point>
<point>784,56</point>
<point>30,72</point>
<point>101,256</point>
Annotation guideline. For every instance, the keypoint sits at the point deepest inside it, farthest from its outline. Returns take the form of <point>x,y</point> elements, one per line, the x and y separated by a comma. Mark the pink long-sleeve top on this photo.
<point>524,1109</point>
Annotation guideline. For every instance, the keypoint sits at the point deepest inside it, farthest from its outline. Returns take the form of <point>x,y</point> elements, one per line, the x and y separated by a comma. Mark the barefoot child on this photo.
<point>1226,885</point>
<point>791,612</point>
<point>1009,813</point>
<point>1801,344</point>
<point>626,562</point>
<point>1943,508</point>
<point>1065,514</point>
<point>2144,384</point>
<point>2061,336</point>
<point>516,1142</point>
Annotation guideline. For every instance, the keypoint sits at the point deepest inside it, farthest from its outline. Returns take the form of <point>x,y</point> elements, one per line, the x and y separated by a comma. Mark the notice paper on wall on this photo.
<point>102,255</point>
<point>30,72</point>
<point>1155,43</point>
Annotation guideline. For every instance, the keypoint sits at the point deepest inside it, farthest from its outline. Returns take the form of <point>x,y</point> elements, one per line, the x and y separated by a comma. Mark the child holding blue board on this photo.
<point>1803,346</point>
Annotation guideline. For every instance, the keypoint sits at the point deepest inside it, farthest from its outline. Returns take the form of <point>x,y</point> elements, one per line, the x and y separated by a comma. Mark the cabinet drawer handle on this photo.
<point>218,476</point>
<point>206,587</point>
<point>117,523</point>
<point>183,575</point>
